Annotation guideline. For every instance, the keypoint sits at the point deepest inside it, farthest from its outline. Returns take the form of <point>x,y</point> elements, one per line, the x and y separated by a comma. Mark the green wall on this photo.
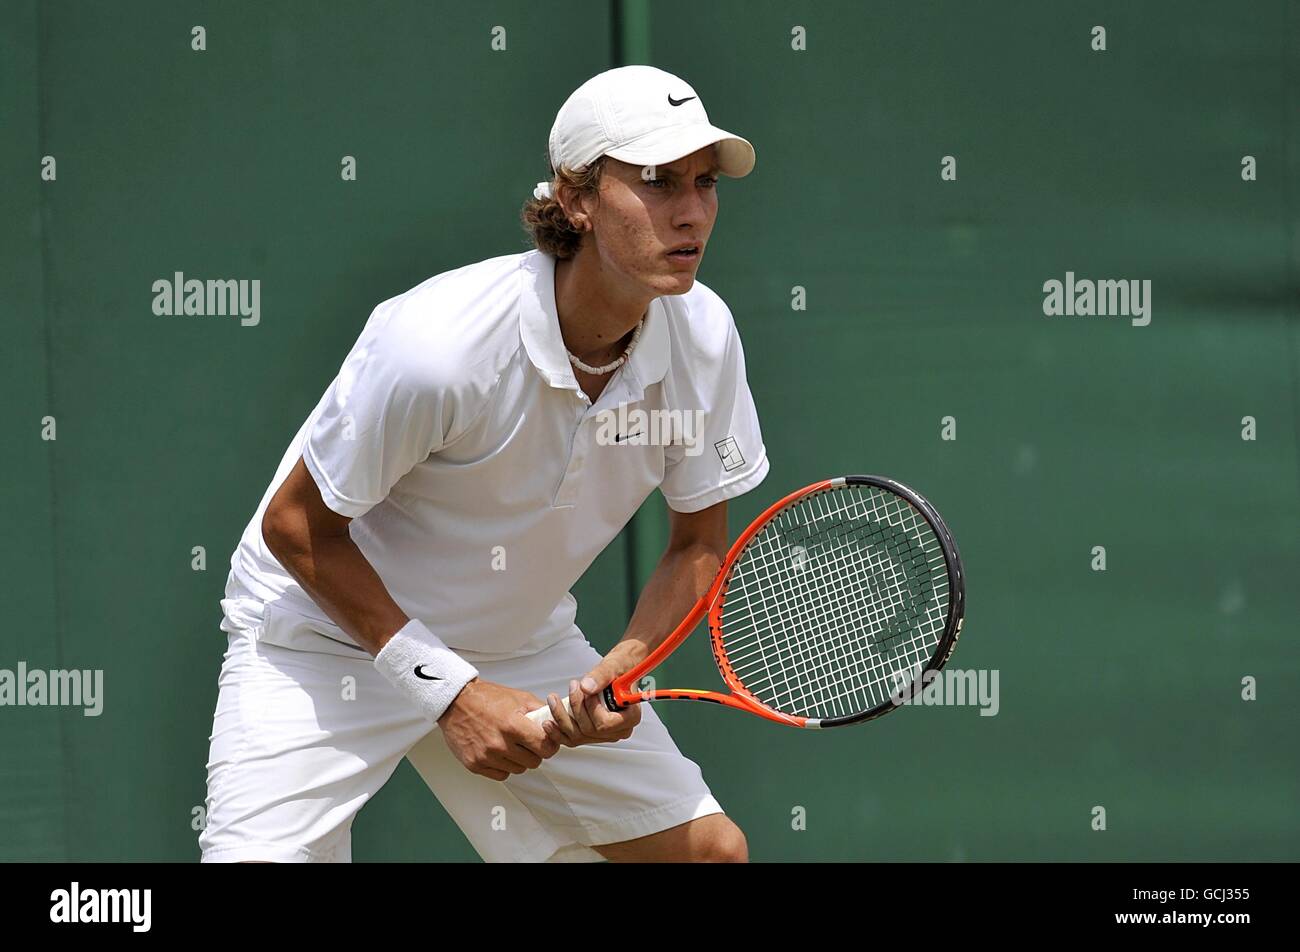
<point>1119,688</point>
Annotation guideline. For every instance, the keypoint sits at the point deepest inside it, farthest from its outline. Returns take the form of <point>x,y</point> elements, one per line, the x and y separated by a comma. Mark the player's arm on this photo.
<point>483,725</point>
<point>313,544</point>
<point>697,544</point>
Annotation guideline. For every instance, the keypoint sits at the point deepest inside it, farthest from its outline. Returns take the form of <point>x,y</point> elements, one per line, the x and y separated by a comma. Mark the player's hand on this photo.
<point>486,728</point>
<point>591,722</point>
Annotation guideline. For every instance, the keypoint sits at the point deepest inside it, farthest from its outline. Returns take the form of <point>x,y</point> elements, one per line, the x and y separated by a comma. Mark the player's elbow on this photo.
<point>297,517</point>
<point>278,530</point>
<point>706,552</point>
<point>286,528</point>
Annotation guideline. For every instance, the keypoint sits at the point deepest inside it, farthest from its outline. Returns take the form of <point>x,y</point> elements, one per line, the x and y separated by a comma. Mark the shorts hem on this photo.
<point>266,852</point>
<point>649,822</point>
<point>548,850</point>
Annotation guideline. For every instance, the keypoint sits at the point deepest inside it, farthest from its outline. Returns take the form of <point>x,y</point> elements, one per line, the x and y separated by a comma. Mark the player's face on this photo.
<point>646,212</point>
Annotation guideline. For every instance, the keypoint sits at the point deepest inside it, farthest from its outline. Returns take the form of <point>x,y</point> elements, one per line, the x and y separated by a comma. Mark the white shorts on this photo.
<point>302,739</point>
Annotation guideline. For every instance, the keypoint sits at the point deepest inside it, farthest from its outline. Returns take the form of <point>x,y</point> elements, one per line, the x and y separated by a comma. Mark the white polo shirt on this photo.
<point>481,480</point>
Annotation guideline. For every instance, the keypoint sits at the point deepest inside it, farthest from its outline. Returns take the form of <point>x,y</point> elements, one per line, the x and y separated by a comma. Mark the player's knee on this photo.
<point>727,844</point>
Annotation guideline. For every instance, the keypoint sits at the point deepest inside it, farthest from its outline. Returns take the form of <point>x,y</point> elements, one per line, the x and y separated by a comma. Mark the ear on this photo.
<point>578,206</point>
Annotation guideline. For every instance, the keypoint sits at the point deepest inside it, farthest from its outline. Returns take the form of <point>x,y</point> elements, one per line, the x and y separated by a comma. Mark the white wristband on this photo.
<point>424,669</point>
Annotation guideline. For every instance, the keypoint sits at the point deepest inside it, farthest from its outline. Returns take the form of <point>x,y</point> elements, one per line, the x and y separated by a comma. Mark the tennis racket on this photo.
<point>827,611</point>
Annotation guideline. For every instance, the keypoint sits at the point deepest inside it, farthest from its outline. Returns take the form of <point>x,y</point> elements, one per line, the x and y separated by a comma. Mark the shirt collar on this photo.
<point>539,326</point>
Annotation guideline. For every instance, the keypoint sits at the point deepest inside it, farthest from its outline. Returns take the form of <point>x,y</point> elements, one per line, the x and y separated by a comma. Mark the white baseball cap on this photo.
<point>643,116</point>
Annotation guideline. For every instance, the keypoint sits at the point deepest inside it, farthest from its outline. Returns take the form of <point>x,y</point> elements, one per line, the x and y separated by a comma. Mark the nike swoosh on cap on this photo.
<point>678,102</point>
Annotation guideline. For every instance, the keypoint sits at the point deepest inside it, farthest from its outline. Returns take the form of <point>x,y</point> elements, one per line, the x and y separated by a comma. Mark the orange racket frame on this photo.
<point>622,691</point>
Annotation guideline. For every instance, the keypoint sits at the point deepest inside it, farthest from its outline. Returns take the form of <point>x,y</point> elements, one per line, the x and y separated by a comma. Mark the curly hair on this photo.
<point>544,218</point>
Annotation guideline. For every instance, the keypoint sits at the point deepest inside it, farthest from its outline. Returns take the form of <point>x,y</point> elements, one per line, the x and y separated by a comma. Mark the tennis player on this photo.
<point>403,588</point>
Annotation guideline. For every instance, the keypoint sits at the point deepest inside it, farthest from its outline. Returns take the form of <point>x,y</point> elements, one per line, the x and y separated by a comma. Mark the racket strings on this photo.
<point>836,603</point>
<point>843,663</point>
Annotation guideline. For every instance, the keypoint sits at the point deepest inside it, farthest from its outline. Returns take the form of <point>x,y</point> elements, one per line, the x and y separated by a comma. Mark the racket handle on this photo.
<point>543,713</point>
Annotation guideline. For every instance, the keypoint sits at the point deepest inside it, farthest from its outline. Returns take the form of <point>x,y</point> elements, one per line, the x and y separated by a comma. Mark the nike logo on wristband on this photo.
<point>425,677</point>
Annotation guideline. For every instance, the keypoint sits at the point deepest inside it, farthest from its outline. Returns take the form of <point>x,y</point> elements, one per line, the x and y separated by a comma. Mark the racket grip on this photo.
<point>543,713</point>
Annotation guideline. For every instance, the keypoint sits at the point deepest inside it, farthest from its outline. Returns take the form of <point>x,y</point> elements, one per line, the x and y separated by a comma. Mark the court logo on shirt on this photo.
<point>729,453</point>
<point>624,427</point>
